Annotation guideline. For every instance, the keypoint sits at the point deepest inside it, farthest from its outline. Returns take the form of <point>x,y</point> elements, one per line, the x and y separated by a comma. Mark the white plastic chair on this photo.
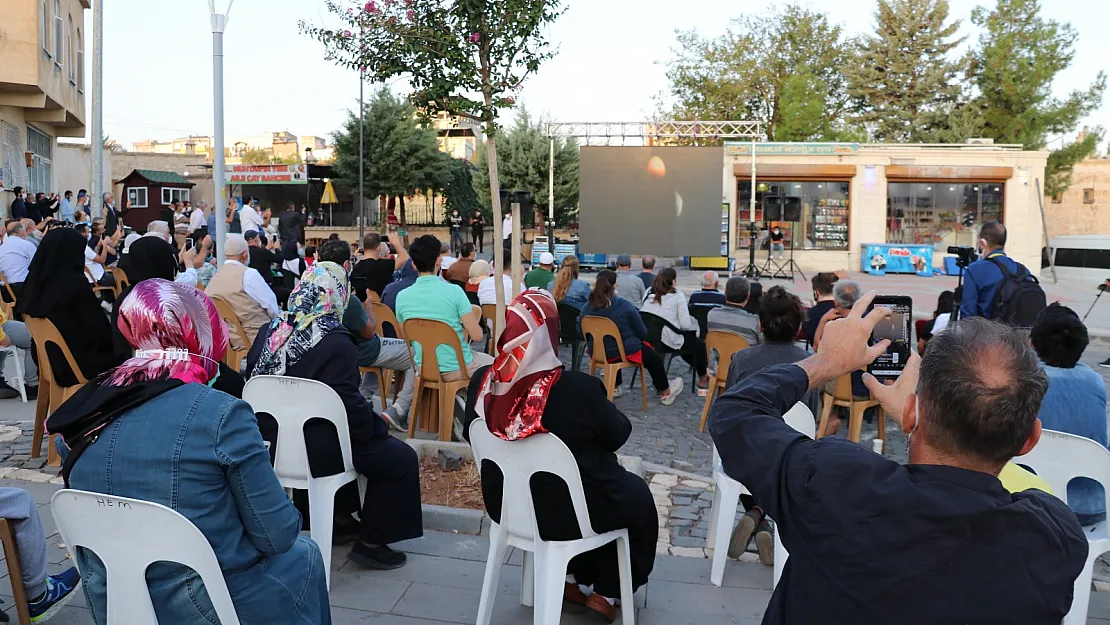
<point>1057,459</point>
<point>128,535</point>
<point>20,379</point>
<point>726,496</point>
<point>545,562</point>
<point>292,402</point>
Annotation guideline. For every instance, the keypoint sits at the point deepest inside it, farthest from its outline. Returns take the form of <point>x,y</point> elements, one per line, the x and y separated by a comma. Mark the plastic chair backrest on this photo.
<point>518,461</point>
<point>1060,457</point>
<point>292,402</point>
<point>121,277</point>
<point>726,344</point>
<point>596,330</point>
<point>700,312</point>
<point>128,535</point>
<point>489,313</point>
<point>568,322</point>
<point>224,310</point>
<point>655,325</point>
<point>7,287</point>
<point>800,418</point>
<point>843,390</point>
<point>386,319</point>
<point>373,296</point>
<point>430,334</point>
<point>44,333</point>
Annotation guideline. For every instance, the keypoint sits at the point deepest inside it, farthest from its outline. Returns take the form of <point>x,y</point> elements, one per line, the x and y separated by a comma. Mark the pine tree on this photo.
<point>1018,58</point>
<point>905,79</point>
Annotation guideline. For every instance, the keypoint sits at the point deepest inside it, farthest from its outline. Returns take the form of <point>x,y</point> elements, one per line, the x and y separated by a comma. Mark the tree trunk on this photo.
<point>404,222</point>
<point>498,233</point>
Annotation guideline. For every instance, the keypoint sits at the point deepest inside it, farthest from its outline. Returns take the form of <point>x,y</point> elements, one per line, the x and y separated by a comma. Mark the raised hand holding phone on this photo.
<point>844,347</point>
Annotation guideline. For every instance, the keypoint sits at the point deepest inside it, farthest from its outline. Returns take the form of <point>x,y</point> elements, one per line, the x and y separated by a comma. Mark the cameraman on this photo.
<point>981,277</point>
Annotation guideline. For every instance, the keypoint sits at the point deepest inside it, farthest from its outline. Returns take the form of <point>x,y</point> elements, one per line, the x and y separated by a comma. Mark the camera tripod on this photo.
<point>751,271</point>
<point>1101,289</point>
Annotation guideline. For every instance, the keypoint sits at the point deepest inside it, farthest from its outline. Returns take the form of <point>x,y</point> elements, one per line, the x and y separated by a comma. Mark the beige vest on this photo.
<point>228,284</point>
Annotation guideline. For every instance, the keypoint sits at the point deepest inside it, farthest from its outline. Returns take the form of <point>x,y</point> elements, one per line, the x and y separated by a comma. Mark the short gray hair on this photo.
<point>159,227</point>
<point>980,390</point>
<point>846,292</point>
<point>16,229</point>
<point>709,279</point>
<point>737,290</point>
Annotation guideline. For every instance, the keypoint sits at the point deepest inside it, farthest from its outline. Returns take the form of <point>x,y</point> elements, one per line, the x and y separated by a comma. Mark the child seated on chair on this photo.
<point>542,396</point>
<point>45,594</point>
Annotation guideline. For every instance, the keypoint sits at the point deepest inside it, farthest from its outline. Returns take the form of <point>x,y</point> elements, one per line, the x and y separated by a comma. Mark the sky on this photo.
<point>609,64</point>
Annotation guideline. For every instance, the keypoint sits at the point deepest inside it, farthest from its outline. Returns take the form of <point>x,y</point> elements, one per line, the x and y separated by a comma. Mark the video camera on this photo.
<point>965,254</point>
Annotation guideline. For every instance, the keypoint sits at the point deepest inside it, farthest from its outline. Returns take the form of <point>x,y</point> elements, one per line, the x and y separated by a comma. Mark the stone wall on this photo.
<point>1071,215</point>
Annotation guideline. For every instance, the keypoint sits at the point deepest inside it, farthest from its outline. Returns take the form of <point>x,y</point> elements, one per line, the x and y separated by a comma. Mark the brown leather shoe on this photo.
<point>600,606</point>
<point>573,594</point>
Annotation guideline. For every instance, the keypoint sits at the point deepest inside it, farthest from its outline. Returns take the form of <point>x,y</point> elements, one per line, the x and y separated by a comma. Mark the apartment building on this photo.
<point>42,89</point>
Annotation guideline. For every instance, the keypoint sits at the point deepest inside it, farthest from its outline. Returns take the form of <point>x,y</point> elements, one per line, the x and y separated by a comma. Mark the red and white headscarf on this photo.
<point>515,389</point>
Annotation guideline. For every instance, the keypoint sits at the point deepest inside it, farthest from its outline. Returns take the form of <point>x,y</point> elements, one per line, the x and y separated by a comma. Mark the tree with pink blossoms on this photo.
<point>466,57</point>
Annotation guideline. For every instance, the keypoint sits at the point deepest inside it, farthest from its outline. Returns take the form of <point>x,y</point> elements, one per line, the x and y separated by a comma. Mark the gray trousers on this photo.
<point>394,355</point>
<point>19,509</point>
<point>21,338</point>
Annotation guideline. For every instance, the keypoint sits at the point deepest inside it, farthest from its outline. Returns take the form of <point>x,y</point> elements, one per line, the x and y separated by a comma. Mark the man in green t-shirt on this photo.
<point>543,275</point>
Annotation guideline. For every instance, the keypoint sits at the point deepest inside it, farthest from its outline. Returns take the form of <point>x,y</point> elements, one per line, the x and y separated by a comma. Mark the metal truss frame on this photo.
<point>605,132</point>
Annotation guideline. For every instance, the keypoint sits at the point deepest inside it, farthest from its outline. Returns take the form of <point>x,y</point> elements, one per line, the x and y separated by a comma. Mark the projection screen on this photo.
<point>664,201</point>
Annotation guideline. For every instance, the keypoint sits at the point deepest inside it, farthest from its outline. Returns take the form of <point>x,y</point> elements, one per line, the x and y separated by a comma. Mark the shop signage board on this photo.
<point>879,259</point>
<point>267,174</point>
<point>735,148</point>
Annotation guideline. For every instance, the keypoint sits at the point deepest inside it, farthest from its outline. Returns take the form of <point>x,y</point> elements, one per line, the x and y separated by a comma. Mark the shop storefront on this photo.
<point>837,197</point>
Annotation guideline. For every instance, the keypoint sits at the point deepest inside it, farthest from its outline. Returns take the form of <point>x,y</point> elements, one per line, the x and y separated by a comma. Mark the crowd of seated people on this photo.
<point>1076,398</point>
<point>733,316</point>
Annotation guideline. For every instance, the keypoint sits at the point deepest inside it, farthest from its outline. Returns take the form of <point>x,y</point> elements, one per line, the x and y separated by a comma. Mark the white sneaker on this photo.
<point>672,392</point>
<point>617,392</point>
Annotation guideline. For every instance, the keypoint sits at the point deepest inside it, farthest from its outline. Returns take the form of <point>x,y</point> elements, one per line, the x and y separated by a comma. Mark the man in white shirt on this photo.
<point>507,235</point>
<point>94,262</point>
<point>16,253</point>
<point>445,257</point>
<point>197,218</point>
<point>487,289</point>
<point>250,218</point>
<point>244,289</point>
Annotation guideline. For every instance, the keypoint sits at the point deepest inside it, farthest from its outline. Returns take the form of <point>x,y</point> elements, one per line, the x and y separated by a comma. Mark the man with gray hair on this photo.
<point>861,528</point>
<point>845,295</point>
<point>732,317</point>
<point>16,253</point>
<point>111,216</point>
<point>629,286</point>
<point>709,295</point>
<point>647,276</point>
<point>245,290</point>
<point>159,230</point>
<point>197,219</point>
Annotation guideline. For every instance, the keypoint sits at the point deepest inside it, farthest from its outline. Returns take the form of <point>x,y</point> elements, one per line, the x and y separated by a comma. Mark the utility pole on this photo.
<point>96,136</point>
<point>219,23</point>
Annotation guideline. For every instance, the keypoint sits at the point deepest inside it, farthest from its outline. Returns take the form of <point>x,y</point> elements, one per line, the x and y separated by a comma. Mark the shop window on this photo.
<point>941,213</point>
<point>824,212</point>
<point>1088,196</point>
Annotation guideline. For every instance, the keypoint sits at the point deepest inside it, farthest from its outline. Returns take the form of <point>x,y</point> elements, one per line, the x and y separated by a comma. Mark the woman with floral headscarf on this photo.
<point>309,341</point>
<point>528,391</point>
<point>153,429</point>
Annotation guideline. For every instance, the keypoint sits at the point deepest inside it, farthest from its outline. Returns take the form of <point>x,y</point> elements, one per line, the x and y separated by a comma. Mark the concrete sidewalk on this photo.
<point>443,579</point>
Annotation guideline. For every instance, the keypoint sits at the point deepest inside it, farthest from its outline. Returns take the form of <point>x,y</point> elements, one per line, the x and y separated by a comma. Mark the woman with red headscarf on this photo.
<point>528,391</point>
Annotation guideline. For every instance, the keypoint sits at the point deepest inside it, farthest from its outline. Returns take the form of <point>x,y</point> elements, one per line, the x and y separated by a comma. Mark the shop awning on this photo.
<point>945,172</point>
<point>789,171</point>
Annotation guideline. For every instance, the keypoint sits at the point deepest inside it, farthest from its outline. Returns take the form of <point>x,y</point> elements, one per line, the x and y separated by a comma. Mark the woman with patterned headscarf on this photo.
<point>153,429</point>
<point>309,341</point>
<point>528,391</point>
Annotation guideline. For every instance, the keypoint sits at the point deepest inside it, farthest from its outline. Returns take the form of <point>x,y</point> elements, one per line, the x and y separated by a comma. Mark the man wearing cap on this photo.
<point>629,285</point>
<point>244,290</point>
<point>543,275</point>
<point>262,259</point>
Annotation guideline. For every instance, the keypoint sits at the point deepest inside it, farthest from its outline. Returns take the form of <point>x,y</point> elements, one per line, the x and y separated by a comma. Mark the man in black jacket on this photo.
<point>19,206</point>
<point>291,223</point>
<point>936,541</point>
<point>262,259</point>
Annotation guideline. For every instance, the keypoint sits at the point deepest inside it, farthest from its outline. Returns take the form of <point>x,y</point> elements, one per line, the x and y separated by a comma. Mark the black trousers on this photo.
<point>17,287</point>
<point>653,363</point>
<point>693,352</point>
<point>476,236</point>
<point>282,293</point>
<point>390,511</point>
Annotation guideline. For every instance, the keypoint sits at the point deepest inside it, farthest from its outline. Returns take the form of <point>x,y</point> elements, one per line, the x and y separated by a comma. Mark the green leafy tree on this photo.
<point>457,185</point>
<point>401,155</point>
<point>904,78</point>
<point>525,154</point>
<point>466,57</point>
<point>1018,58</point>
<point>782,68</point>
<point>256,157</point>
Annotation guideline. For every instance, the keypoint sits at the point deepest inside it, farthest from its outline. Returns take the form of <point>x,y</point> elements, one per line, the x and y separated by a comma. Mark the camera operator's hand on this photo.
<point>844,347</point>
<point>893,397</point>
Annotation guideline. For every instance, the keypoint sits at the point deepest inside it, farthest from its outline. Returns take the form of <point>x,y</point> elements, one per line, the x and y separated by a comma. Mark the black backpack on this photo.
<point>1019,297</point>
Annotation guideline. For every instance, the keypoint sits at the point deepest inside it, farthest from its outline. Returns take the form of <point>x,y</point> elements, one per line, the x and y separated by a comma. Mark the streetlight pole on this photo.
<point>551,197</point>
<point>361,155</point>
<point>96,136</point>
<point>219,23</point>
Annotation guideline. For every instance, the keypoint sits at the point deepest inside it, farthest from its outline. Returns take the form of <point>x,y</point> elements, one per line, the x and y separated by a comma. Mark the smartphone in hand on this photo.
<point>897,328</point>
